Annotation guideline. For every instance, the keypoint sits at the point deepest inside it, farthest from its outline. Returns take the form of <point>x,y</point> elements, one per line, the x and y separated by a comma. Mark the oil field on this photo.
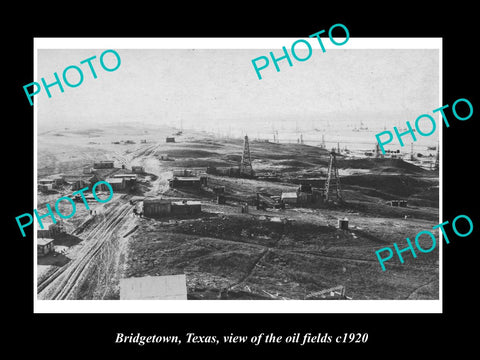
<point>236,217</point>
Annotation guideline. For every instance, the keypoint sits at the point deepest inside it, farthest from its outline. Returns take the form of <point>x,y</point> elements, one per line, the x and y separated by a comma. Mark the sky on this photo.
<point>219,88</point>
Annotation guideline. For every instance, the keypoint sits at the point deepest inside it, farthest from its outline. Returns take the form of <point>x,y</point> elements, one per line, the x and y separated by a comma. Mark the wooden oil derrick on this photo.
<point>246,164</point>
<point>332,185</point>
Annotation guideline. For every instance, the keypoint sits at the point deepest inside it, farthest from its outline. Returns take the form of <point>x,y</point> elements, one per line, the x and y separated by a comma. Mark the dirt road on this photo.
<point>93,272</point>
<point>65,282</point>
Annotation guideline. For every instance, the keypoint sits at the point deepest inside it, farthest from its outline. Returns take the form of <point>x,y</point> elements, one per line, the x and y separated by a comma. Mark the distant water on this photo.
<point>352,140</point>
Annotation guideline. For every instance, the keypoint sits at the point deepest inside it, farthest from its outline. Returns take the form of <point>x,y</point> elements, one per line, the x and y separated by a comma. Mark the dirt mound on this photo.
<point>185,163</point>
<point>387,165</point>
<point>398,185</point>
<point>237,228</point>
<point>295,164</point>
<point>235,158</point>
<point>190,153</point>
<point>206,145</point>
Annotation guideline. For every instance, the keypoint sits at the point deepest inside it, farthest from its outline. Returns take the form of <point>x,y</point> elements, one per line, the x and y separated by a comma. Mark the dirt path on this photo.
<point>95,268</point>
<point>65,282</point>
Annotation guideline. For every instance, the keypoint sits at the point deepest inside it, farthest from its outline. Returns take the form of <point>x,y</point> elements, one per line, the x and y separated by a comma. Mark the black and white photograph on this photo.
<point>230,187</point>
<point>229,181</point>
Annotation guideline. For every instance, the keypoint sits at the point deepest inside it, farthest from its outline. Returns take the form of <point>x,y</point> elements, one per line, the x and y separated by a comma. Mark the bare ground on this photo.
<point>228,255</point>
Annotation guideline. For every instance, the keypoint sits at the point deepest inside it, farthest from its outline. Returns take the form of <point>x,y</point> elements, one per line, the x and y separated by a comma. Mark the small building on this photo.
<point>104,164</point>
<point>163,157</point>
<point>50,230</point>
<point>289,198</point>
<point>115,183</point>
<point>45,181</point>
<point>79,184</point>
<point>45,184</point>
<point>45,187</point>
<point>143,141</point>
<point>169,287</point>
<point>44,246</point>
<point>156,207</point>
<point>87,170</point>
<point>138,169</point>
<point>304,197</point>
<point>127,177</point>
<point>305,188</point>
<point>398,203</point>
<point>190,181</point>
<point>226,171</point>
<point>186,207</point>
<point>318,195</point>
<point>170,139</point>
<point>183,173</point>
<point>219,189</point>
<point>93,180</point>
<point>88,197</point>
<point>343,224</point>
<point>58,179</point>
<point>221,199</point>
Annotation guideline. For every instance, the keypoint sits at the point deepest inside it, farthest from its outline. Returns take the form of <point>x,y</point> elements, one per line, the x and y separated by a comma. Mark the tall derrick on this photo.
<point>246,164</point>
<point>332,185</point>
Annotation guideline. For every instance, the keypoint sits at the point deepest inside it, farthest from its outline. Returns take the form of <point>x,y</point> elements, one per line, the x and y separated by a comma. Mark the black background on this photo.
<point>91,334</point>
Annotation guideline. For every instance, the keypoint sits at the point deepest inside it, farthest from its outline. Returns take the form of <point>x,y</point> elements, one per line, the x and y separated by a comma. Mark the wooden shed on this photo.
<point>156,207</point>
<point>190,181</point>
<point>44,246</point>
<point>117,183</point>
<point>105,164</point>
<point>186,207</point>
<point>138,169</point>
<point>289,197</point>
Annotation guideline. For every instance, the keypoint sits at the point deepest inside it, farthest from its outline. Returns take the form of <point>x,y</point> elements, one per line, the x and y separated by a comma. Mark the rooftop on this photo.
<point>125,176</point>
<point>156,201</point>
<point>44,241</point>
<point>187,178</point>
<point>188,203</point>
<point>114,180</point>
<point>169,287</point>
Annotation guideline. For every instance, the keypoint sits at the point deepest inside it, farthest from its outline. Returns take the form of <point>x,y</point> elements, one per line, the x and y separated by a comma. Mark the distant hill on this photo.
<point>382,164</point>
